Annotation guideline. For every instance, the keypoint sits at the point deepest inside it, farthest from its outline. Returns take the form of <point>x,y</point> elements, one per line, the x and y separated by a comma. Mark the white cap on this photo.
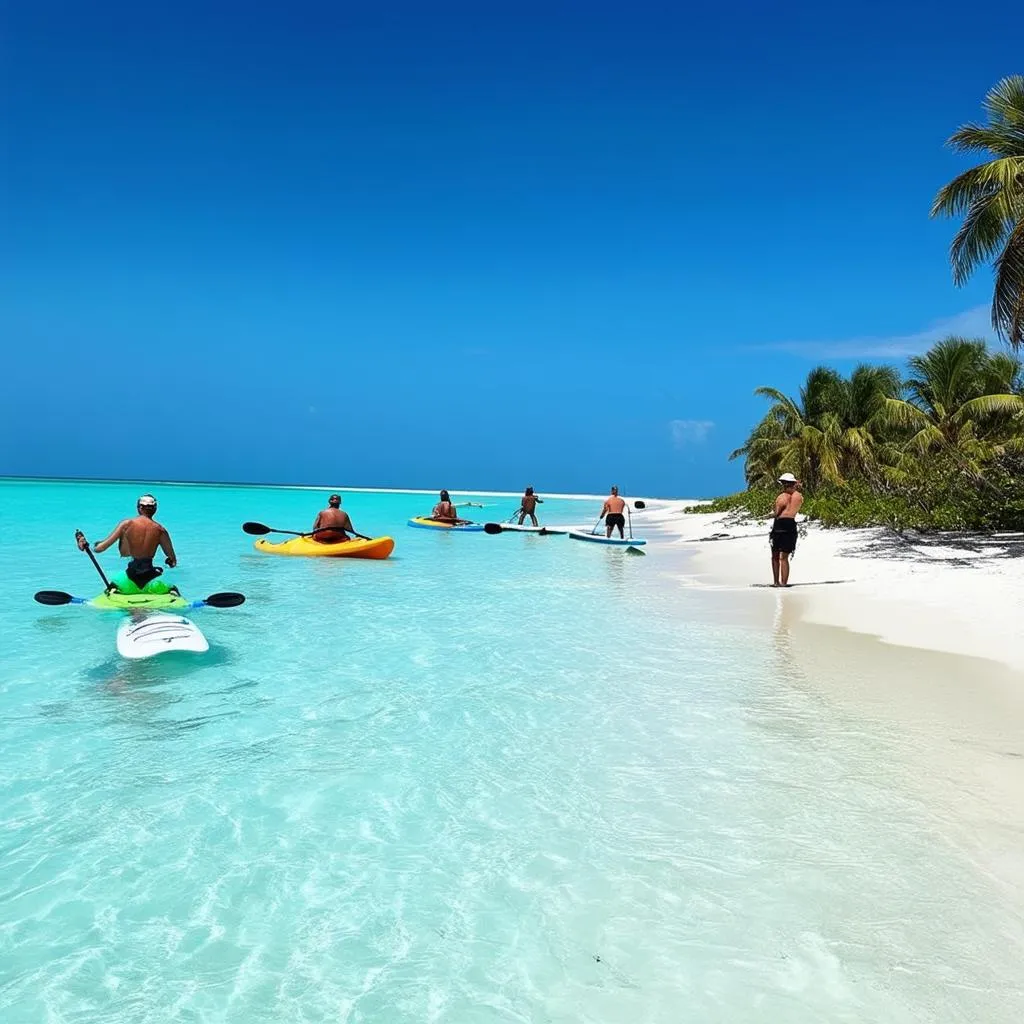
<point>147,501</point>
<point>788,478</point>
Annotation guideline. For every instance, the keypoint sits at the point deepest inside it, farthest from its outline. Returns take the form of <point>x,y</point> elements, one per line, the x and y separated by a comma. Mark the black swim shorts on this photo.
<point>616,519</point>
<point>142,571</point>
<point>783,536</point>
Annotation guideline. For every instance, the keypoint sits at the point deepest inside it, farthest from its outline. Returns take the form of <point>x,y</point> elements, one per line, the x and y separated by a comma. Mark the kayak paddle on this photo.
<point>224,599</point>
<point>57,597</point>
<point>79,536</point>
<point>259,530</point>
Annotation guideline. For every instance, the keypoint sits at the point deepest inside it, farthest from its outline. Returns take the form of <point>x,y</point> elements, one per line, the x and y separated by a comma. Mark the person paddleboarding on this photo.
<point>528,507</point>
<point>446,512</point>
<point>613,513</point>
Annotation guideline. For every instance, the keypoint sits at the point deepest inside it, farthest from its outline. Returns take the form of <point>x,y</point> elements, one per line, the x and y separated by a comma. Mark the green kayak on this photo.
<point>155,594</point>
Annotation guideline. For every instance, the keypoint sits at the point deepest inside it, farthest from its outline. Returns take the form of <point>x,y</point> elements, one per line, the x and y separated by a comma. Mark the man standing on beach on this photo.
<point>612,513</point>
<point>138,539</point>
<point>783,533</point>
<point>330,524</point>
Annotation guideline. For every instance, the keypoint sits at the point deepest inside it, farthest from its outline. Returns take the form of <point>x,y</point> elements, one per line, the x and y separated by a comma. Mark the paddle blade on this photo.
<point>53,597</point>
<point>256,529</point>
<point>227,599</point>
<point>492,527</point>
<point>635,551</point>
<point>640,504</point>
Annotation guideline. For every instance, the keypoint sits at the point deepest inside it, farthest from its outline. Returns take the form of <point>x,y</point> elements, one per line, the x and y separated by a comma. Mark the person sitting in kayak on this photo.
<point>138,539</point>
<point>330,525</point>
<point>445,511</point>
<point>528,507</point>
<point>612,513</point>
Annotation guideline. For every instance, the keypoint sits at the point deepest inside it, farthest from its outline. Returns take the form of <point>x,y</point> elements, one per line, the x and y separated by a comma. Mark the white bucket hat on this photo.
<point>788,478</point>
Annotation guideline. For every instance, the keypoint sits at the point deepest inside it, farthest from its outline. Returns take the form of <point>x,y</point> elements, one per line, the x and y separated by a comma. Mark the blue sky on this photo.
<point>465,244</point>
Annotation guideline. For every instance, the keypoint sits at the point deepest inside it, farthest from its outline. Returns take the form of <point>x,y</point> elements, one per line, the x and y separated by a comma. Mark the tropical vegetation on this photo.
<point>939,444</point>
<point>990,198</point>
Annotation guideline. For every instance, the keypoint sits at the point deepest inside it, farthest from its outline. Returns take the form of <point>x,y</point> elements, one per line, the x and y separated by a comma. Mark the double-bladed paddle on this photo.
<point>259,530</point>
<point>83,545</point>
<point>495,528</point>
<point>225,599</point>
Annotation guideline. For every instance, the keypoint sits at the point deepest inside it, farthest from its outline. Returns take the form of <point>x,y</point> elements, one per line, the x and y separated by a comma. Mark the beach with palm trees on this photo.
<point>912,474</point>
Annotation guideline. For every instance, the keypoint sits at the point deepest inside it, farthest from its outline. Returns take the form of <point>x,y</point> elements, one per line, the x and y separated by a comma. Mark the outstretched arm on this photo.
<point>102,545</point>
<point>604,511</point>
<point>165,543</point>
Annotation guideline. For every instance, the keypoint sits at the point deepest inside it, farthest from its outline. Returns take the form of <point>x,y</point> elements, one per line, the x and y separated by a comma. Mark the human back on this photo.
<point>332,524</point>
<point>140,537</point>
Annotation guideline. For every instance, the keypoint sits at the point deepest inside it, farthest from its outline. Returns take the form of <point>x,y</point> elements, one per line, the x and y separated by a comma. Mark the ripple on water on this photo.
<point>492,781</point>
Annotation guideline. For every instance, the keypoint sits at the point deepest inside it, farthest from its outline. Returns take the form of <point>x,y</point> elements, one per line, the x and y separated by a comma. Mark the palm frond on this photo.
<point>988,406</point>
<point>1004,102</point>
<point>1008,296</point>
<point>1000,139</point>
<point>900,413</point>
<point>981,235</point>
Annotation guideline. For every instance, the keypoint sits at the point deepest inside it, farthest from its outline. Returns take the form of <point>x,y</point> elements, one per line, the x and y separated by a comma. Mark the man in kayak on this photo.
<point>528,507</point>
<point>330,525</point>
<point>612,513</point>
<point>783,532</point>
<point>138,539</point>
<point>445,511</point>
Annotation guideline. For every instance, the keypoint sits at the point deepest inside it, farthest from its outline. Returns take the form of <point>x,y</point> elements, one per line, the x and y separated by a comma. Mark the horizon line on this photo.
<point>306,487</point>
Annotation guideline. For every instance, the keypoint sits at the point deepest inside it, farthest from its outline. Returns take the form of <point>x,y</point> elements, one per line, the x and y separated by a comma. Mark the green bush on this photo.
<point>940,497</point>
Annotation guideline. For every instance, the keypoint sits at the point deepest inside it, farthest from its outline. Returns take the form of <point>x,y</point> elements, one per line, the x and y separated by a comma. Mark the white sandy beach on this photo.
<point>959,595</point>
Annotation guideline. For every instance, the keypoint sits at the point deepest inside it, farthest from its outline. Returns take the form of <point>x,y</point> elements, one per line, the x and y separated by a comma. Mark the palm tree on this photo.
<point>824,436</point>
<point>961,401</point>
<point>990,198</point>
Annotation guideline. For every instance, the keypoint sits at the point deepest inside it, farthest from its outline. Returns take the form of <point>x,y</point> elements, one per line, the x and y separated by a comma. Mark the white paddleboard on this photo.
<point>159,634</point>
<point>615,541</point>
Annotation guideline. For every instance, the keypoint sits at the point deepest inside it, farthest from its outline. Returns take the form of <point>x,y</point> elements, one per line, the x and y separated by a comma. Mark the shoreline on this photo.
<point>955,593</point>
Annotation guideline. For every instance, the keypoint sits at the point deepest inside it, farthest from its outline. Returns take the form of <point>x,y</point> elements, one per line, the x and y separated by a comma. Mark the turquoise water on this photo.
<point>490,779</point>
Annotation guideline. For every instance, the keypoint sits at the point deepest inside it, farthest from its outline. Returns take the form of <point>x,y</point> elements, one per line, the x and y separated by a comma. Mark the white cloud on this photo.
<point>972,323</point>
<point>687,432</point>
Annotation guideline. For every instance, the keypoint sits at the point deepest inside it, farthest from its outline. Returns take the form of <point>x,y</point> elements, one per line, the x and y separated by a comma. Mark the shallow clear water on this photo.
<point>491,779</point>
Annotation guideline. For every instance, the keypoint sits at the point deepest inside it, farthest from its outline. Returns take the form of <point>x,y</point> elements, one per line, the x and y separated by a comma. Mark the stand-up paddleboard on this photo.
<point>158,633</point>
<point>424,522</point>
<point>615,542</point>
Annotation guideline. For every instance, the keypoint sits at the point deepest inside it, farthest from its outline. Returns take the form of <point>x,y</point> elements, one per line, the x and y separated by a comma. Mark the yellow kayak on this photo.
<point>376,547</point>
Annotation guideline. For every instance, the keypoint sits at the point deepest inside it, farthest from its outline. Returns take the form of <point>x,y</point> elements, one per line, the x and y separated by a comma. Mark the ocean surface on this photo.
<point>501,778</point>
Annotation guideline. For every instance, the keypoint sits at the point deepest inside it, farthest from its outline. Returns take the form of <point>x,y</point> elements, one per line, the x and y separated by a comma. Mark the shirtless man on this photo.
<point>783,532</point>
<point>138,539</point>
<point>528,507</point>
<point>330,525</point>
<point>613,509</point>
